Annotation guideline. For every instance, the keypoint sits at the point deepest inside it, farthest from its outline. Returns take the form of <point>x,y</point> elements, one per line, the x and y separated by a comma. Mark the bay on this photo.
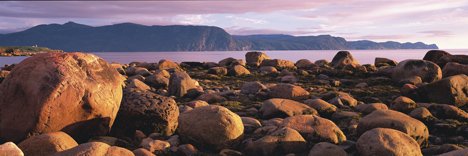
<point>363,56</point>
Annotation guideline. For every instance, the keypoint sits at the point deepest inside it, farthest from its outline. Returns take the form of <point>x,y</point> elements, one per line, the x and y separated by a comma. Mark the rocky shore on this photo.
<point>79,104</point>
<point>25,51</point>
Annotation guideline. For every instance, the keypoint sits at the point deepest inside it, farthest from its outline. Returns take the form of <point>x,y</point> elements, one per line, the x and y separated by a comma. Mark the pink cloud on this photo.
<point>74,9</point>
<point>250,31</point>
<point>437,33</point>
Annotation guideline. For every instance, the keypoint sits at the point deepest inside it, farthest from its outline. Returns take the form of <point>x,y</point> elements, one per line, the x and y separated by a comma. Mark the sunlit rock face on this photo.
<point>77,93</point>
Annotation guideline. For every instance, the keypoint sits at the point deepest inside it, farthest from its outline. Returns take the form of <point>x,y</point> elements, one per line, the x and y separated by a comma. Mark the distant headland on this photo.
<point>130,37</point>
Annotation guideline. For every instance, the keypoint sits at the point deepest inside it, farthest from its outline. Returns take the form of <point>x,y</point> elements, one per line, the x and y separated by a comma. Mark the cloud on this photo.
<point>437,33</point>
<point>193,19</point>
<point>250,31</point>
<point>76,9</point>
<point>238,20</point>
<point>400,20</point>
<point>380,37</point>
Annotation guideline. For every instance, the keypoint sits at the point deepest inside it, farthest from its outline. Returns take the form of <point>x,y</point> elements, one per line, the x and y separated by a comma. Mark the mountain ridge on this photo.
<point>131,37</point>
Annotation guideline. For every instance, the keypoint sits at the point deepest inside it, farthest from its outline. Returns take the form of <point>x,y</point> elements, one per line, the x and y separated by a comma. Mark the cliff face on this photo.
<point>134,37</point>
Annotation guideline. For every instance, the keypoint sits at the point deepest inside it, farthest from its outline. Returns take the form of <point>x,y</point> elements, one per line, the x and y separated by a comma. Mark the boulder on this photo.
<point>187,150</point>
<point>315,128</point>
<point>252,87</point>
<point>137,84</point>
<point>148,112</point>
<point>343,99</point>
<point>227,62</point>
<point>282,141</point>
<point>211,126</point>
<point>403,104</point>
<point>394,120</point>
<point>369,108</point>
<point>289,79</point>
<point>250,124</point>
<point>379,61</point>
<point>142,71</point>
<point>192,64</point>
<point>387,142</point>
<point>460,152</point>
<point>440,149</point>
<point>255,58</point>
<point>288,91</point>
<point>180,83</point>
<point>407,89</point>
<point>168,65</point>
<point>304,64</point>
<point>95,148</point>
<point>158,80</point>
<point>113,141</point>
<point>268,70</point>
<point>47,144</point>
<point>441,58</point>
<point>77,93</point>
<point>421,113</point>
<point>3,74</point>
<point>414,80</point>
<point>451,90</point>
<point>238,70</point>
<point>131,71</point>
<point>284,108</point>
<point>10,149</point>
<point>436,56</point>
<point>323,107</point>
<point>209,65</point>
<point>325,148</point>
<point>230,152</point>
<point>218,71</point>
<point>155,145</point>
<point>322,63</point>
<point>426,70</point>
<point>197,103</point>
<point>278,63</point>
<point>142,152</point>
<point>211,98</point>
<point>444,111</point>
<point>453,68</point>
<point>346,120</point>
<point>344,59</point>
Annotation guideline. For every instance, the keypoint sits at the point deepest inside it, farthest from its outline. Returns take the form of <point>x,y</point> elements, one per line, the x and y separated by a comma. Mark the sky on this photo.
<point>442,22</point>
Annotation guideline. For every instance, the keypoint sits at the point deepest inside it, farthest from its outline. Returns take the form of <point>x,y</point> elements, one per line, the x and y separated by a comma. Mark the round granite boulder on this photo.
<point>387,142</point>
<point>394,120</point>
<point>77,93</point>
<point>212,127</point>
<point>147,112</point>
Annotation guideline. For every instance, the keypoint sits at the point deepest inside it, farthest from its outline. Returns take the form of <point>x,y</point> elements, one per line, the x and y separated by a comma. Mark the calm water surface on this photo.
<point>363,56</point>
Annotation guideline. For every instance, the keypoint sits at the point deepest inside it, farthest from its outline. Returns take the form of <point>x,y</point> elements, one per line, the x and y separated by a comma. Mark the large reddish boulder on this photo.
<point>385,141</point>
<point>288,91</point>
<point>409,69</point>
<point>451,90</point>
<point>394,120</point>
<point>180,83</point>
<point>77,93</point>
<point>315,128</point>
<point>255,58</point>
<point>47,144</point>
<point>146,111</point>
<point>344,59</point>
<point>441,58</point>
<point>210,127</point>
<point>453,68</point>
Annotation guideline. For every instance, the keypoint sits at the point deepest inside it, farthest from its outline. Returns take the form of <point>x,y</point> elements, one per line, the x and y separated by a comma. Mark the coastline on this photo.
<point>255,98</point>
